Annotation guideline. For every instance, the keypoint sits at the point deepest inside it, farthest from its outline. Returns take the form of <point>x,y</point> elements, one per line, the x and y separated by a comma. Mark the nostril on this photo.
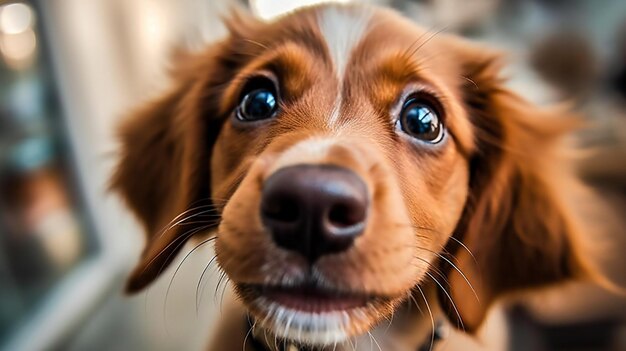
<point>314,210</point>
<point>344,215</point>
<point>282,210</point>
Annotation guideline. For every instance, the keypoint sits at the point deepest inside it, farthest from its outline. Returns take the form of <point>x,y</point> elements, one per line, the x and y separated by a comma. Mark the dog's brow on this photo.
<point>399,69</point>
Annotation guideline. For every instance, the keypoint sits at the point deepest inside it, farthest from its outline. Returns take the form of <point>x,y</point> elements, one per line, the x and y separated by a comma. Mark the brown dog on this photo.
<point>353,163</point>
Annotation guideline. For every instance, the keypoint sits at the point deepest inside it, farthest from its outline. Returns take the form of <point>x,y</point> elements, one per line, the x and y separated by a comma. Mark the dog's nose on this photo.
<point>314,209</point>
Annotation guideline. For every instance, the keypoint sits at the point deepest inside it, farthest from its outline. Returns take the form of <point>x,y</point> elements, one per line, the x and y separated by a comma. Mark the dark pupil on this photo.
<point>258,104</point>
<point>421,121</point>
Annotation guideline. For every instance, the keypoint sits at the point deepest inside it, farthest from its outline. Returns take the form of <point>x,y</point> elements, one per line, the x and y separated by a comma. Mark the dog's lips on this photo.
<point>312,315</point>
<point>313,299</point>
<point>309,299</point>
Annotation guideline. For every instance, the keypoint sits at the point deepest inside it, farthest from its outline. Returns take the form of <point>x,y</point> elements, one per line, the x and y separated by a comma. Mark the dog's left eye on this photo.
<point>421,120</point>
<point>259,101</point>
<point>256,105</point>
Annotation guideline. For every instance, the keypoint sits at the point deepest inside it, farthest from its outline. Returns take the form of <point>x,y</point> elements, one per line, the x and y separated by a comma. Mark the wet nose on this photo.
<point>314,210</point>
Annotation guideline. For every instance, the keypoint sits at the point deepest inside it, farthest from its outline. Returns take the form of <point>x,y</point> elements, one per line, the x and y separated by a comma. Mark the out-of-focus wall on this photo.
<point>110,56</point>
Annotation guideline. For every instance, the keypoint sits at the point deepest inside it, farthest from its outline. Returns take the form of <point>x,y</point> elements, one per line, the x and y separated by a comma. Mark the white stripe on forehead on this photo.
<point>343,29</point>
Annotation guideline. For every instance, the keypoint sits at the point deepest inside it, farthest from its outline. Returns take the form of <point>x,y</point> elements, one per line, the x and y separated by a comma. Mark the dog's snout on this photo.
<point>314,209</point>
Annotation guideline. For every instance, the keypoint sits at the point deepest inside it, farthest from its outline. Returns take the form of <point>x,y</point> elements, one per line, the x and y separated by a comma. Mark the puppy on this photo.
<point>352,165</point>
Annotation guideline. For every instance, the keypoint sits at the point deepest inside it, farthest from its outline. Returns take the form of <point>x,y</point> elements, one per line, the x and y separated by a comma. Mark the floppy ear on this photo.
<point>518,223</point>
<point>158,176</point>
<point>163,173</point>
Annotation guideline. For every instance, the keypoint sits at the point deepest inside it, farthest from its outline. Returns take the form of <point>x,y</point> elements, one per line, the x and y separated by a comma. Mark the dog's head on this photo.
<point>350,157</point>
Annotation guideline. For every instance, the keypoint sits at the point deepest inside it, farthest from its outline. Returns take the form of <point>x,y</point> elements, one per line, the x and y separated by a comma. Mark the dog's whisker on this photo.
<point>288,324</point>
<point>181,221</point>
<point>217,287</point>
<point>390,322</point>
<point>406,53</point>
<point>179,241</point>
<point>465,247</point>
<point>462,275</point>
<point>410,293</point>
<point>245,339</point>
<point>250,53</point>
<point>169,286</point>
<point>374,339</point>
<point>207,224</point>
<point>262,46</point>
<point>265,336</point>
<point>182,238</point>
<point>431,267</point>
<point>200,282</point>
<point>179,216</point>
<point>172,279</point>
<point>226,282</point>
<point>432,319</point>
<point>470,80</point>
<point>349,341</point>
<point>178,220</point>
<point>458,315</point>
<point>455,267</point>
<point>440,233</point>
<point>431,37</point>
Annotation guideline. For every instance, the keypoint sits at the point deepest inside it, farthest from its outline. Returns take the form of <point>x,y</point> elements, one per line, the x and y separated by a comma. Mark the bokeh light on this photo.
<point>18,41</point>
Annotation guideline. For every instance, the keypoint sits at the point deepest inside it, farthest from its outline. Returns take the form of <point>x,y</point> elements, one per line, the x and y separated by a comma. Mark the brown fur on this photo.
<point>497,185</point>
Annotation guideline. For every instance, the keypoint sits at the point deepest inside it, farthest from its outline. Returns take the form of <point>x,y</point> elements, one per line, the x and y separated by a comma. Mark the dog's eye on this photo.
<point>259,102</point>
<point>421,120</point>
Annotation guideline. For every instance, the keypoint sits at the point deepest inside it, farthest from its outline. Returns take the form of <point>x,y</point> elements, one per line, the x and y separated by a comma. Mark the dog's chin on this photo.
<point>311,316</point>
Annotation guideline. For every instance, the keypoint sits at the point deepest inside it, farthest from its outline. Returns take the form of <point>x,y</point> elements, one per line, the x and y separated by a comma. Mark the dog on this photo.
<point>361,174</point>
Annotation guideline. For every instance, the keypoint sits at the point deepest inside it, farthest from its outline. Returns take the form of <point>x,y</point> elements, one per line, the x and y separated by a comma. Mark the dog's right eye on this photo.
<point>420,119</point>
<point>259,102</point>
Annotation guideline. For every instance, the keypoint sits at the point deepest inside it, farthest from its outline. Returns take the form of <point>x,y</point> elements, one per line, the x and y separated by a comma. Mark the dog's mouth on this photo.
<point>312,299</point>
<point>311,314</point>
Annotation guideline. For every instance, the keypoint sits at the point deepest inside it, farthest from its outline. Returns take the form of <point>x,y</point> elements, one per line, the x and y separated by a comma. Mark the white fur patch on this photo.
<point>313,150</point>
<point>343,29</point>
<point>308,328</point>
<point>336,111</point>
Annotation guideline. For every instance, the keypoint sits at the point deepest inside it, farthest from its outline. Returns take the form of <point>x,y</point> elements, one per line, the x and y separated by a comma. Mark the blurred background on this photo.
<point>69,69</point>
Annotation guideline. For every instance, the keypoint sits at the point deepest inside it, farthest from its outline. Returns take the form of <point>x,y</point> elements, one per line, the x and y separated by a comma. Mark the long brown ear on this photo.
<point>156,176</point>
<point>518,230</point>
<point>166,150</point>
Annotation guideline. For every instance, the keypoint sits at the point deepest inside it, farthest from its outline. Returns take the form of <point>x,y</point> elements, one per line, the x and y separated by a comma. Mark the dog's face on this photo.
<point>351,157</point>
<point>353,164</point>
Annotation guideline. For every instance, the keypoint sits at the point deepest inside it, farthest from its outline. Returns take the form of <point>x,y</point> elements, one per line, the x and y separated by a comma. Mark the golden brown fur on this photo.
<point>485,210</point>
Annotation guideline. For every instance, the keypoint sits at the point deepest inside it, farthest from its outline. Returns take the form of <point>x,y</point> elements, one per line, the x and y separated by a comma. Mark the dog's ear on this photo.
<point>519,230</point>
<point>157,175</point>
<point>163,173</point>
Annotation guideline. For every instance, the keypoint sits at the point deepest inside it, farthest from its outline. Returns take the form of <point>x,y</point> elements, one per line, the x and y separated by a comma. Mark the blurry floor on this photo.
<point>139,323</point>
